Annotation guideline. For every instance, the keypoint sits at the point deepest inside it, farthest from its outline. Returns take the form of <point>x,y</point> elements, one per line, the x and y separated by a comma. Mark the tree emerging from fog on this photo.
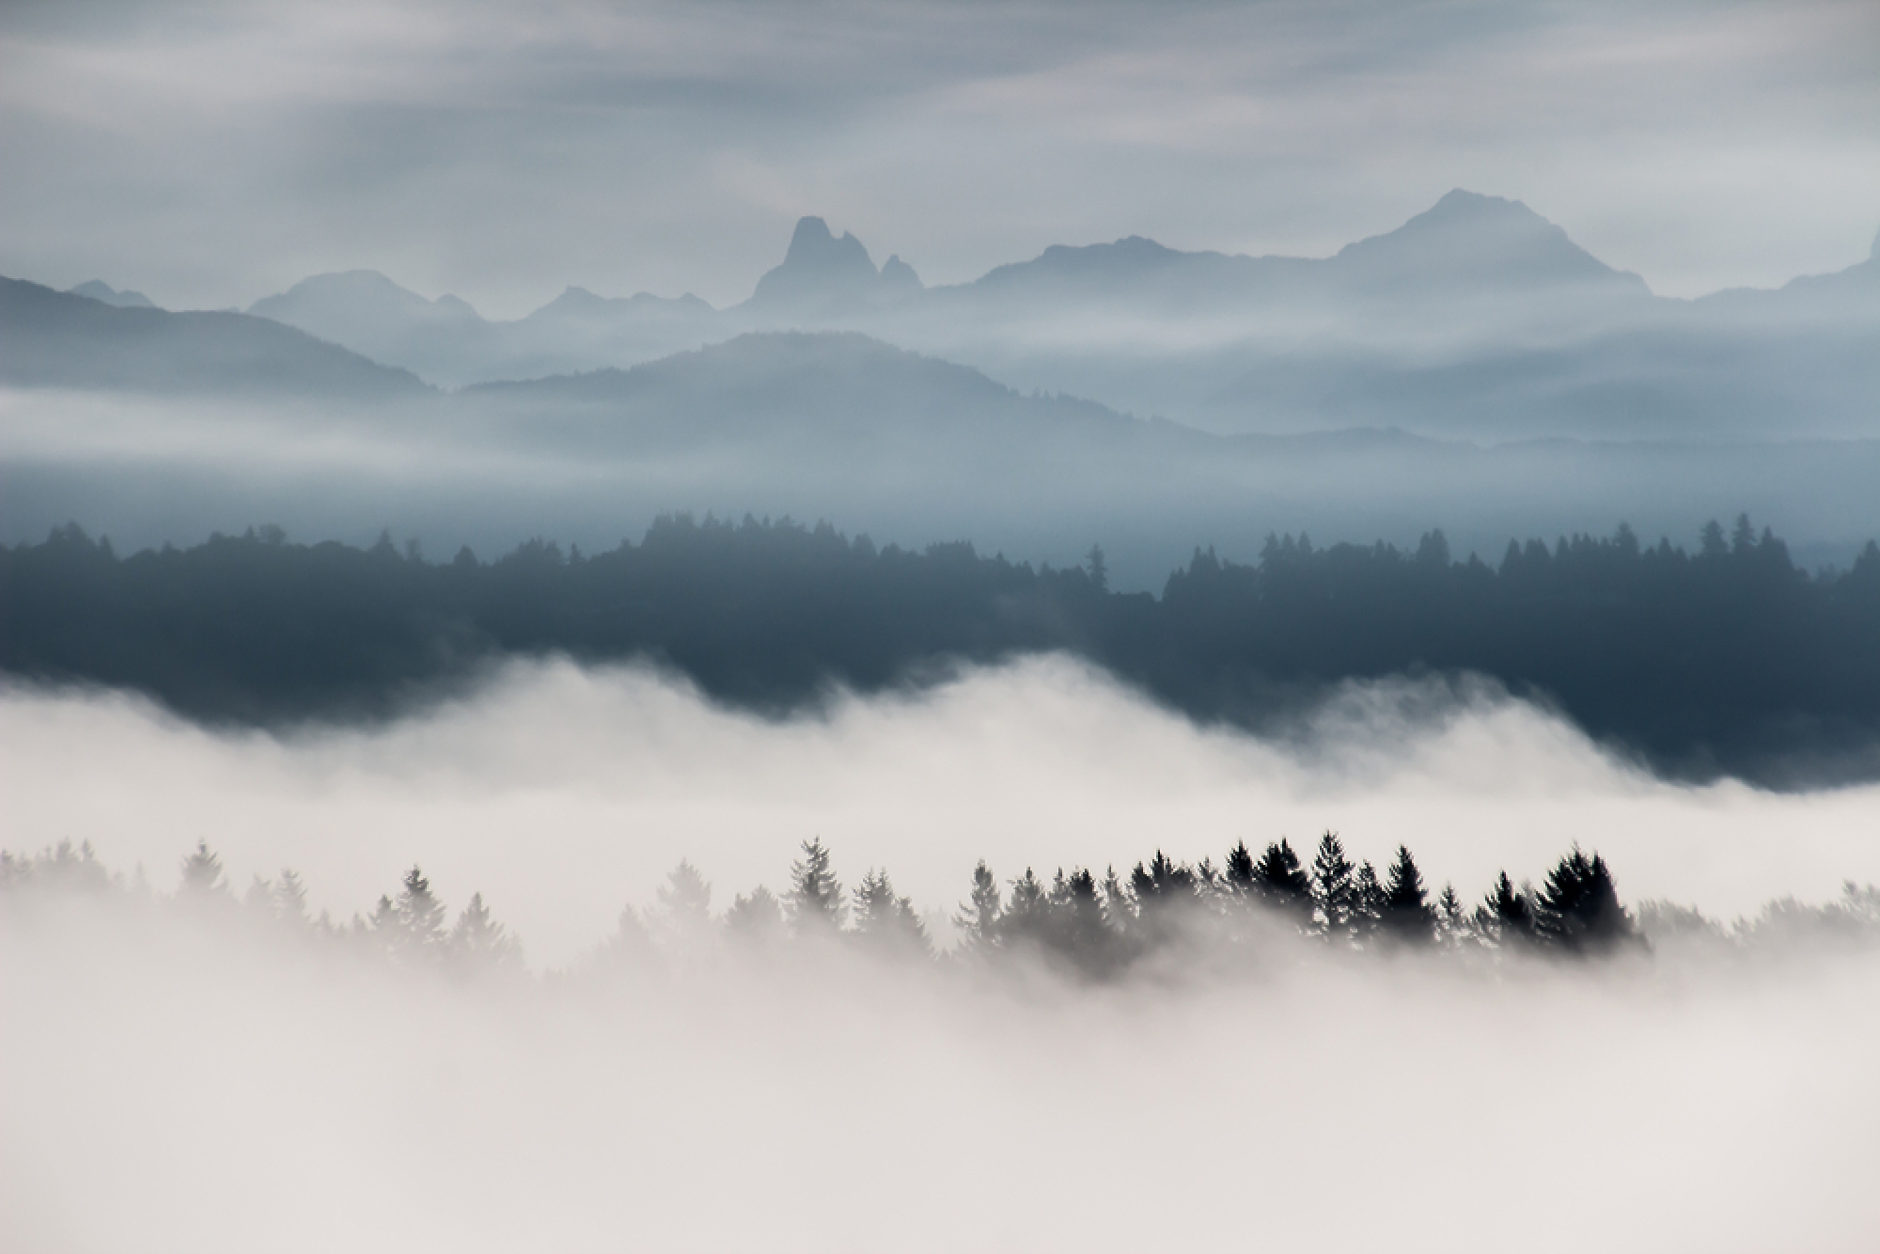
<point>1164,920</point>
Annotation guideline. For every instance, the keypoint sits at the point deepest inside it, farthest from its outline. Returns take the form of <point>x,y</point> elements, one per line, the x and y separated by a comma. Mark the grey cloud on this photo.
<point>211,155</point>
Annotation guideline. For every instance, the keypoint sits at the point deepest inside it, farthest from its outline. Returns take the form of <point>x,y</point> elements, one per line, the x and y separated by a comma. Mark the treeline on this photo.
<point>1724,659</point>
<point>1164,920</point>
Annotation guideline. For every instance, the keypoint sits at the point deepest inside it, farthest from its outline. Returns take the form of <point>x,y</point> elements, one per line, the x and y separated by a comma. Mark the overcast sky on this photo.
<point>210,154</point>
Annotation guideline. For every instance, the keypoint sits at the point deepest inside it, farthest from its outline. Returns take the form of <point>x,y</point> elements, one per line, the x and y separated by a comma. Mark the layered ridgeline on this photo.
<point>837,425</point>
<point>1477,318</point>
<point>95,339</point>
<point>1726,659</point>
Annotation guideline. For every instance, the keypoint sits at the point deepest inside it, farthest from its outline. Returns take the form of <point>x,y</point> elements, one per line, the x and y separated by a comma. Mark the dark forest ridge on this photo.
<point>1728,660</point>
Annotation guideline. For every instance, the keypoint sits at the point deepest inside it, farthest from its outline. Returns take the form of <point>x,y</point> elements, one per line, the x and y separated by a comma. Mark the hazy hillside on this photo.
<point>906,447</point>
<point>57,339</point>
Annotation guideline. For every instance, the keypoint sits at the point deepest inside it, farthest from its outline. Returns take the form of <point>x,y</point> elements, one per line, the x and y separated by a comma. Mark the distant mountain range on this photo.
<point>1477,319</point>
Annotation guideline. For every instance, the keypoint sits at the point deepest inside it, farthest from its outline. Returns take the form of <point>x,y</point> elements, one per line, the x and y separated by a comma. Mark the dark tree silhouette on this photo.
<point>1505,915</point>
<point>1579,909</point>
<point>817,906</point>
<point>1404,911</point>
<point>1027,917</point>
<point>1281,881</point>
<point>1080,930</point>
<point>1237,871</point>
<point>1367,901</point>
<point>1334,887</point>
<point>1165,894</point>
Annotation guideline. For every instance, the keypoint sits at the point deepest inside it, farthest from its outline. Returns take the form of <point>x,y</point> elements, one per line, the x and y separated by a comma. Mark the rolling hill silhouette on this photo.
<point>57,339</point>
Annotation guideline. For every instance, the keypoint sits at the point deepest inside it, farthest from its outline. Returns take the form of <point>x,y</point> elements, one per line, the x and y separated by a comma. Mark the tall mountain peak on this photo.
<point>1468,241</point>
<point>822,269</point>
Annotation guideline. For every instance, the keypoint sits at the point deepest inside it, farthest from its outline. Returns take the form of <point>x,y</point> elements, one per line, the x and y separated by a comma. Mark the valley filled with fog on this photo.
<point>910,626</point>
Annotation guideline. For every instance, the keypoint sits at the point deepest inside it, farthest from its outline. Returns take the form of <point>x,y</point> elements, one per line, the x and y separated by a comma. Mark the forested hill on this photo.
<point>1726,659</point>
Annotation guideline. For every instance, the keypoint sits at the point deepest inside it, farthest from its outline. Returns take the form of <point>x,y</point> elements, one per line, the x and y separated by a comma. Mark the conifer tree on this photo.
<point>1238,870</point>
<point>1452,921</point>
<point>1367,900</point>
<point>755,921</point>
<point>202,873</point>
<point>1027,912</point>
<point>683,917</point>
<point>885,923</point>
<point>1080,930</point>
<point>1281,881</point>
<point>1579,911</point>
<point>259,899</point>
<point>1334,887</point>
<point>290,899</point>
<point>978,918</point>
<point>478,944</point>
<point>816,902</point>
<point>411,927</point>
<point>1505,916</point>
<point>1404,908</point>
<point>1164,895</point>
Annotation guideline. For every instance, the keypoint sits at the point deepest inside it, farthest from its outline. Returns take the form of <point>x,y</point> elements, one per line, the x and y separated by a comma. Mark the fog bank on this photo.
<point>562,794</point>
<point>163,1091</point>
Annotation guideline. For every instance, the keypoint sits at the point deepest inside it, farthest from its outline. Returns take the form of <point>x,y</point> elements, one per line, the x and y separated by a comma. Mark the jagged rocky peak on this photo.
<point>813,246</point>
<point>822,269</point>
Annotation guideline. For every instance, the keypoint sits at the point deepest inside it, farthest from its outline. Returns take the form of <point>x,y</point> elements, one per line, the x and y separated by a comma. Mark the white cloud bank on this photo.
<point>562,794</point>
<point>160,1091</point>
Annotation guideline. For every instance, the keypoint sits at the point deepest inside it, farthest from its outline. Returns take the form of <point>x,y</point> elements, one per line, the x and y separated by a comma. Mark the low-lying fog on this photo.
<point>148,472</point>
<point>171,1092</point>
<point>563,794</point>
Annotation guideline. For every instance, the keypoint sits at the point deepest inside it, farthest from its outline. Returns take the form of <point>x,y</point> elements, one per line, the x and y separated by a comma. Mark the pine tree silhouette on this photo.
<point>978,918</point>
<point>1405,912</point>
<point>1281,881</point>
<point>817,906</point>
<point>1334,888</point>
<point>1505,915</point>
<point>887,924</point>
<point>202,873</point>
<point>1579,911</point>
<point>478,944</point>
